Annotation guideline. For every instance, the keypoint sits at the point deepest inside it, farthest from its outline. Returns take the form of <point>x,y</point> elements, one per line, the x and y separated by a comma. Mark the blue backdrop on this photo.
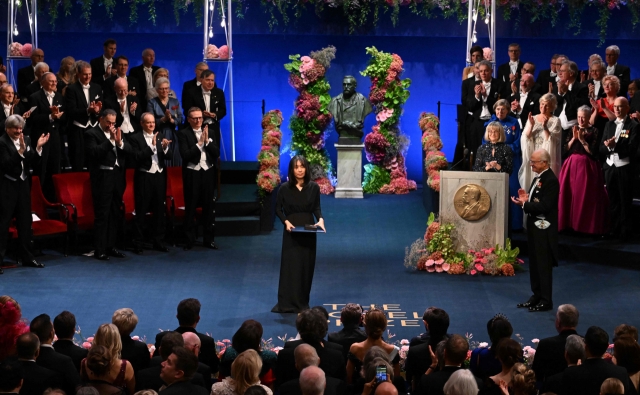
<point>433,51</point>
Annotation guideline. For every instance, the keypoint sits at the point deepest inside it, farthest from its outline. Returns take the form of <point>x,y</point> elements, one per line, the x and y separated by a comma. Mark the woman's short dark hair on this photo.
<point>474,49</point>
<point>627,353</point>
<point>248,336</point>
<point>292,166</point>
<point>509,352</point>
<point>498,328</point>
<point>375,322</point>
<point>255,390</point>
<point>99,360</point>
<point>351,315</point>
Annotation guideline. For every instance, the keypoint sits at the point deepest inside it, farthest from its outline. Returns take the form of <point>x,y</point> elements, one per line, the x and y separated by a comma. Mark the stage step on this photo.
<point>238,210</point>
<point>248,225</point>
<point>242,172</point>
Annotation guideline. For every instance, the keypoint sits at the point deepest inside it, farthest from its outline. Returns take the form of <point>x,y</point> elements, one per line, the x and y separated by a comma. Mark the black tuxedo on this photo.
<point>26,76</point>
<point>619,180</point>
<point>531,106</point>
<point>576,97</point>
<point>477,129</point>
<point>139,74</point>
<point>334,387</point>
<point>543,80</point>
<point>135,352</point>
<point>198,185</point>
<point>19,109</point>
<point>37,379</point>
<point>218,106</point>
<point>15,193</point>
<point>329,345</point>
<point>543,243</point>
<point>331,362</point>
<point>107,185</point>
<point>33,88</point>
<point>149,379</point>
<point>80,120</point>
<point>187,86</point>
<point>624,75</point>
<point>98,70</point>
<point>465,119</point>
<point>418,360</point>
<point>504,70</point>
<point>134,118</point>
<point>109,91</point>
<point>184,388</point>
<point>549,358</point>
<point>76,353</point>
<point>150,188</point>
<point>346,337</point>
<point>40,124</point>
<point>601,93</point>
<point>62,364</point>
<point>587,378</point>
<point>208,355</point>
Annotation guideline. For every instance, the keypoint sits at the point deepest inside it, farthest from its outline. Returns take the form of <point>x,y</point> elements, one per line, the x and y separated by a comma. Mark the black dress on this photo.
<point>298,249</point>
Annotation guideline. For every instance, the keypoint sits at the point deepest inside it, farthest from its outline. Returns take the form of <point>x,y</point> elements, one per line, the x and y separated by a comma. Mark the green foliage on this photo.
<point>375,177</point>
<point>507,255</point>
<point>442,241</point>
<point>432,217</point>
<point>294,66</point>
<point>378,65</point>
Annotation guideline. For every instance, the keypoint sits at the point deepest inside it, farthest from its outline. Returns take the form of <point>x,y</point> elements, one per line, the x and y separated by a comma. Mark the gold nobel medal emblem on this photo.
<point>472,202</point>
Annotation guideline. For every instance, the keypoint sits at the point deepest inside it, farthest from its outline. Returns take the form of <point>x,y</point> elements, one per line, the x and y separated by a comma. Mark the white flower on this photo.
<point>483,345</point>
<point>404,341</point>
<point>535,341</point>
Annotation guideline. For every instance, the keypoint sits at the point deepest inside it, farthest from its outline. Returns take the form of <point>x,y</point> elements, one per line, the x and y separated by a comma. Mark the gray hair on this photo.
<point>5,86</point>
<point>573,67</point>
<point>200,64</point>
<point>44,77</point>
<point>369,372</point>
<point>501,103</point>
<point>595,56</point>
<point>613,48</point>
<point>574,348</point>
<point>598,63</point>
<point>144,114</point>
<point>146,50</point>
<point>544,155</point>
<point>498,126</point>
<point>312,381</point>
<point>121,80</point>
<point>14,121</point>
<point>41,65</point>
<point>486,63</point>
<point>374,353</point>
<point>161,81</point>
<point>81,65</point>
<point>567,314</point>
<point>587,110</point>
<point>551,99</point>
<point>461,382</point>
<point>107,111</point>
<point>160,70</point>
<point>305,356</point>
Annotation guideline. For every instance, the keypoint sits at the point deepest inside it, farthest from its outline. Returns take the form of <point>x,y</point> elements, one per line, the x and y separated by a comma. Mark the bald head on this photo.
<point>191,342</point>
<point>526,82</point>
<point>386,388</point>
<point>621,107</point>
<point>3,79</point>
<point>121,86</point>
<point>306,356</point>
<point>37,55</point>
<point>313,381</point>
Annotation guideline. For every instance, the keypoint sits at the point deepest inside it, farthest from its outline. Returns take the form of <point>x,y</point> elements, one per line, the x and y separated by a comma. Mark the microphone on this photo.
<point>465,155</point>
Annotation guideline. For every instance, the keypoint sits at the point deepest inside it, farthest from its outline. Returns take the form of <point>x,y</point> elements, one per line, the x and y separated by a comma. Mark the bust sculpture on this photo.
<point>349,110</point>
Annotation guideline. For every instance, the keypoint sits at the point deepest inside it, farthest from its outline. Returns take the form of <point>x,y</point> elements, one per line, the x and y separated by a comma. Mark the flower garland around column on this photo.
<point>269,157</point>
<point>435,160</point>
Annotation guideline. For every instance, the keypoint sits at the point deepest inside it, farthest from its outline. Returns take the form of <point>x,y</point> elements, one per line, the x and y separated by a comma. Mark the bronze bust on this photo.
<point>349,110</point>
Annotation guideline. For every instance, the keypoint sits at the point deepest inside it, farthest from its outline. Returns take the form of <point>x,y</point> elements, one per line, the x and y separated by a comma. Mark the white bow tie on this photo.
<point>513,63</point>
<point>619,121</point>
<point>197,131</point>
<point>553,74</point>
<point>487,85</point>
<point>207,93</point>
<point>149,69</point>
<point>86,87</point>
<point>52,94</point>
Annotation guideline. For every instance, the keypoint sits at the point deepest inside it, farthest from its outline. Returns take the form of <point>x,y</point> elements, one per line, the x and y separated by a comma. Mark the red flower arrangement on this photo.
<point>269,157</point>
<point>435,159</point>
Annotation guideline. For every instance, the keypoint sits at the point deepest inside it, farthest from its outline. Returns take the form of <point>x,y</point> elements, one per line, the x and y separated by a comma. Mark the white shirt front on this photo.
<point>611,69</point>
<point>564,121</point>
<point>148,75</point>
<point>7,110</point>
<point>203,163</point>
<point>107,63</point>
<point>148,137</point>
<point>596,85</point>
<point>126,126</point>
<point>485,114</point>
<point>514,67</point>
<point>614,159</point>
<point>207,105</point>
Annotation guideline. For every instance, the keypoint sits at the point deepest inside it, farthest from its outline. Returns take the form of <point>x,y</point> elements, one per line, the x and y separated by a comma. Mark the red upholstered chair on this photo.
<point>74,191</point>
<point>128,199</point>
<point>47,227</point>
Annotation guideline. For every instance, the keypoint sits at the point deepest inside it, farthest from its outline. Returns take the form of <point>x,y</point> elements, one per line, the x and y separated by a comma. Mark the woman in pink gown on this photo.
<point>583,203</point>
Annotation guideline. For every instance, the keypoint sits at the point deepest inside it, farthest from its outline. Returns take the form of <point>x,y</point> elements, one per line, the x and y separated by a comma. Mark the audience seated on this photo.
<point>245,371</point>
<point>103,363</point>
<point>626,353</point>
<point>611,386</point>
<point>248,337</point>
<point>306,356</point>
<point>11,326</point>
<point>436,322</point>
<point>65,328</point>
<point>573,355</point>
<point>48,358</point>
<point>509,353</point>
<point>11,377</point>
<point>625,330</point>
<point>312,381</point>
<point>523,380</point>
<point>461,382</point>
<point>133,351</point>
<point>188,318</point>
<point>351,320</point>
<point>177,371</point>
<point>193,344</point>
<point>484,361</point>
<point>36,379</point>
<point>585,379</point>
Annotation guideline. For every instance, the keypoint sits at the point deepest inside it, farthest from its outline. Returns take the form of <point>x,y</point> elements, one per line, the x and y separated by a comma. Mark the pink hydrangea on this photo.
<point>15,49</point>
<point>384,114</point>
<point>26,50</point>
<point>86,345</point>
<point>224,52</point>
<point>212,51</point>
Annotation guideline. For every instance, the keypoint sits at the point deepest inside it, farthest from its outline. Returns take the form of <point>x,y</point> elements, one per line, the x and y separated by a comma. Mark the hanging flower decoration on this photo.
<point>311,117</point>
<point>212,52</point>
<point>26,50</point>
<point>435,160</point>
<point>385,146</point>
<point>15,49</point>
<point>269,157</point>
<point>224,52</point>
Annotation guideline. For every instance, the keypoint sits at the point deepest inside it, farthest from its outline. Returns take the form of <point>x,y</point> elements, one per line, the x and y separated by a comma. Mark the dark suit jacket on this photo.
<point>76,353</point>
<point>109,91</point>
<point>331,362</point>
<point>601,93</point>
<point>346,337</point>
<point>587,378</point>
<point>531,106</point>
<point>419,359</point>
<point>626,147</point>
<point>136,353</point>
<point>547,195</point>
<point>39,118</point>
<point>504,70</point>
<point>329,345</point>
<point>334,387</point>
<point>217,105</point>
<point>33,88</point>
<point>26,76</point>
<point>433,384</point>
<point>187,86</point>
<point>544,77</point>
<point>553,383</point>
<point>11,163</point>
<point>77,103</point>
<point>624,75</point>
<point>97,70</point>
<point>112,103</point>
<point>19,109</point>
<point>37,379</point>
<point>189,151</point>
<point>142,153</point>
<point>99,150</point>
<point>184,388</point>
<point>62,364</point>
<point>138,73</point>
<point>467,88</point>
<point>575,98</point>
<point>203,370</point>
<point>475,106</point>
<point>549,358</point>
<point>149,379</point>
<point>208,355</point>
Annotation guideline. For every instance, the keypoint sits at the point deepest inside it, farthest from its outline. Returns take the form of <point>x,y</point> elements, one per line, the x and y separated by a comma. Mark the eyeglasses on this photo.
<point>196,119</point>
<point>619,107</point>
<point>535,161</point>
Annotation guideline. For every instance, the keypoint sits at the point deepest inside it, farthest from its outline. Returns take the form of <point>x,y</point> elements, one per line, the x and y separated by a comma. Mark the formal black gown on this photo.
<point>298,249</point>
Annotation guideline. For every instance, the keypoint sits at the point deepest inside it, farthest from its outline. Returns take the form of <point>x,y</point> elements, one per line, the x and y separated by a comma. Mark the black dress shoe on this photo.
<point>211,244</point>
<point>160,247</point>
<point>115,253</point>
<point>187,247</point>
<point>101,256</point>
<point>33,263</point>
<point>541,307</point>
<point>529,303</point>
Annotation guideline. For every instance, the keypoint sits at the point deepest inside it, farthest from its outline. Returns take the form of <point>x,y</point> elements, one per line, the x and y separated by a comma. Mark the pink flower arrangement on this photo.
<point>325,185</point>
<point>487,54</point>
<point>15,49</point>
<point>384,115</point>
<point>224,52</point>
<point>308,106</point>
<point>296,82</point>
<point>86,345</point>
<point>399,186</point>
<point>375,147</point>
<point>212,52</point>
<point>26,50</point>
<point>269,157</point>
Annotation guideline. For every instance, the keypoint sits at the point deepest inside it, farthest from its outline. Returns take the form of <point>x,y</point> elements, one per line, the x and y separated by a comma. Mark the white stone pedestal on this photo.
<point>349,171</point>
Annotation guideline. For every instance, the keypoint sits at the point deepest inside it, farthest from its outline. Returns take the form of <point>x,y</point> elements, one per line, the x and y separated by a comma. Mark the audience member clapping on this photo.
<point>66,74</point>
<point>484,360</point>
<point>245,372</point>
<point>136,352</point>
<point>160,73</point>
<point>461,382</point>
<point>11,325</point>
<point>604,107</point>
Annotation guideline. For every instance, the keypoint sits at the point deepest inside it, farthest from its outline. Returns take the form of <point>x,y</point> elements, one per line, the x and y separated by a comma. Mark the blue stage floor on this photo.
<point>360,260</point>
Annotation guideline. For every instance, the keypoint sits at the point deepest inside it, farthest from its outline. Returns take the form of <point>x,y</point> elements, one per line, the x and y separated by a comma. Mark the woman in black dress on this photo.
<point>297,203</point>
